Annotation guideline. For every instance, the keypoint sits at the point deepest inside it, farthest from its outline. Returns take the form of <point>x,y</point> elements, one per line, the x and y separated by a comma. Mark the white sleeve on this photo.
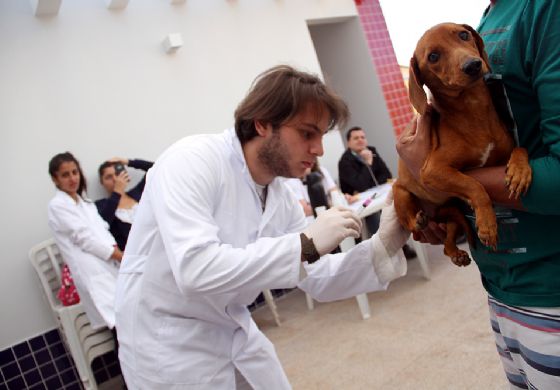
<point>298,188</point>
<point>65,219</point>
<point>345,275</point>
<point>184,189</point>
<point>328,181</point>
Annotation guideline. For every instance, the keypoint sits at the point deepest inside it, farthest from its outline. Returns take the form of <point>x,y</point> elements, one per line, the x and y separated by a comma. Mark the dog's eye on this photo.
<point>433,57</point>
<point>464,35</point>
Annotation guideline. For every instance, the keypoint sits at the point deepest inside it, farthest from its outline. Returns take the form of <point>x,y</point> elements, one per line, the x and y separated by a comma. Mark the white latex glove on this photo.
<point>388,240</point>
<point>331,227</point>
<point>391,234</point>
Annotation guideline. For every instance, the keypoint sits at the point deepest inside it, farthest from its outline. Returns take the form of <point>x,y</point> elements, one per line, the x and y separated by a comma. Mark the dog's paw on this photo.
<point>518,173</point>
<point>461,258</point>
<point>488,235</point>
<point>518,179</point>
<point>421,221</point>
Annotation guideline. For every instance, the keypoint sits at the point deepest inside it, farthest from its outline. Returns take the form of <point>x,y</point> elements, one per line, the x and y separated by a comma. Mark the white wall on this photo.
<point>349,69</point>
<point>97,82</point>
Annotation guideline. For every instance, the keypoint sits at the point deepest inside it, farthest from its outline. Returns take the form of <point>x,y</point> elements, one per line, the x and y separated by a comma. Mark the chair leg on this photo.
<point>309,300</point>
<point>270,302</point>
<point>363,304</point>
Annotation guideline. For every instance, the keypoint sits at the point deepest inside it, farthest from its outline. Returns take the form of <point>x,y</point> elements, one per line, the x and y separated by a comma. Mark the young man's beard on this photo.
<point>274,156</point>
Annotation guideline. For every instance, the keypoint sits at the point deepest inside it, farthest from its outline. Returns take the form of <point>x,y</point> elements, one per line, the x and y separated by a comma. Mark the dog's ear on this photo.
<point>416,93</point>
<point>479,44</point>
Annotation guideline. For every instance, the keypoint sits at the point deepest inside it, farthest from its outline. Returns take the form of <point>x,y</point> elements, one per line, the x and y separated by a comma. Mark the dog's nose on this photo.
<point>472,67</point>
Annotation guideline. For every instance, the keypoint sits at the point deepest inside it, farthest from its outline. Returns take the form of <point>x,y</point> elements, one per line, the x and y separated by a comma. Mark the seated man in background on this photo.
<point>361,168</point>
<point>119,208</point>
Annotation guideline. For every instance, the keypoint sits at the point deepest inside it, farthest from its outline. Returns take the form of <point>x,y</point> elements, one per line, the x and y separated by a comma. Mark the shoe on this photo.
<point>409,253</point>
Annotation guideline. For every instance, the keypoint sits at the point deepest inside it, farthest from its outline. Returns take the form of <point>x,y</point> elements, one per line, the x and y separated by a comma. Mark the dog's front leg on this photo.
<point>410,214</point>
<point>518,173</point>
<point>453,182</point>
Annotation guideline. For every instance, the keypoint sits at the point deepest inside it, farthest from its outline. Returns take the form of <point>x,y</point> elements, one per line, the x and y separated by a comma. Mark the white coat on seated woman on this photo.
<point>85,242</point>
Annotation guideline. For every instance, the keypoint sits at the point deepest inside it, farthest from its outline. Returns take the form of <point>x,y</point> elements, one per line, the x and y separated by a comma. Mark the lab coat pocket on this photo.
<point>191,351</point>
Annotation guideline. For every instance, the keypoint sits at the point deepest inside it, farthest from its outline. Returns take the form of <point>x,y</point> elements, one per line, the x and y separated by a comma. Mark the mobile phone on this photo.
<point>119,168</point>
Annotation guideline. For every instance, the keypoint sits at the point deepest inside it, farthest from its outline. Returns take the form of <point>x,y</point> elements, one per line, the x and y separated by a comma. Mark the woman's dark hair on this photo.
<point>56,162</point>
<point>279,94</point>
<point>351,130</point>
<point>317,168</point>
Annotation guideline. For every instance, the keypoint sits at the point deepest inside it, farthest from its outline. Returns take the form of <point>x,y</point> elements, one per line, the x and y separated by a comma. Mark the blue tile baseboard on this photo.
<point>43,362</point>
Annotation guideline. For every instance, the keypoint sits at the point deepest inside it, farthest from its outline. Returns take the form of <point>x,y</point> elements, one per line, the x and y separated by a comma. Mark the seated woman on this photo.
<point>300,188</point>
<point>119,208</point>
<point>86,245</point>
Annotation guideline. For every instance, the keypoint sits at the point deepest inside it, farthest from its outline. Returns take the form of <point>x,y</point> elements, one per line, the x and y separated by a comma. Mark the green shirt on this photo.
<point>522,38</point>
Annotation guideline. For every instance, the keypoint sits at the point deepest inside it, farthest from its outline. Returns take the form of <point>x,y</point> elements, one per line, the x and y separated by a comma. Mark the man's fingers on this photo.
<point>409,132</point>
<point>352,233</point>
<point>434,233</point>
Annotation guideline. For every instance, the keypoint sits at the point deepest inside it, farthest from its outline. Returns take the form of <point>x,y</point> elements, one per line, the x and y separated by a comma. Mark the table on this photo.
<point>376,204</point>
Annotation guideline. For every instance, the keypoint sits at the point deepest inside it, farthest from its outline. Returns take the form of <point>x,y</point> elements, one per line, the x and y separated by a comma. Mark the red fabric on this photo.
<point>68,295</point>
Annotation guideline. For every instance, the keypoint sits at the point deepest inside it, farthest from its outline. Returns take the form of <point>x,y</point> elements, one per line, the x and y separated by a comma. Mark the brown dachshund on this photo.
<point>468,133</point>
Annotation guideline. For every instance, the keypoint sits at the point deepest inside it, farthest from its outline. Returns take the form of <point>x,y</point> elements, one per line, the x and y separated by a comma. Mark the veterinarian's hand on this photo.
<point>391,233</point>
<point>413,145</point>
<point>333,226</point>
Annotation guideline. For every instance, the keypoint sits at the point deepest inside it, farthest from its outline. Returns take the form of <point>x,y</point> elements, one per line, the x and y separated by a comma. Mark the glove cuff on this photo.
<point>387,267</point>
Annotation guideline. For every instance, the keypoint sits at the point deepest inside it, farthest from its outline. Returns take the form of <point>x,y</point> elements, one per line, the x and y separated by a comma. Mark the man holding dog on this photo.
<point>522,277</point>
<point>216,225</point>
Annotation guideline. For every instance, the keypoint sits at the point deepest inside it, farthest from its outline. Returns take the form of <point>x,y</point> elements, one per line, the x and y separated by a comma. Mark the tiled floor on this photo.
<point>423,334</point>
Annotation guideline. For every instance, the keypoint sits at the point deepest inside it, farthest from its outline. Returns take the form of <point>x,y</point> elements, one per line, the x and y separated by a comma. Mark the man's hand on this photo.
<point>414,143</point>
<point>117,254</point>
<point>433,234</point>
<point>367,156</point>
<point>307,210</point>
<point>331,227</point>
<point>351,198</point>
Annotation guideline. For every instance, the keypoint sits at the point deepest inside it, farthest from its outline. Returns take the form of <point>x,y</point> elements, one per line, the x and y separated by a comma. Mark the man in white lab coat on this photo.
<point>217,225</point>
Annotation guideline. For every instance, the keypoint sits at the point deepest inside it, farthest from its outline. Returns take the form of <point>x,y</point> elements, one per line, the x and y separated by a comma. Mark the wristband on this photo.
<point>308,251</point>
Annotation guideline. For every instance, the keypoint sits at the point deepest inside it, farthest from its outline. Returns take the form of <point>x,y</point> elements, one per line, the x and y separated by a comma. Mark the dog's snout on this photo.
<point>472,67</point>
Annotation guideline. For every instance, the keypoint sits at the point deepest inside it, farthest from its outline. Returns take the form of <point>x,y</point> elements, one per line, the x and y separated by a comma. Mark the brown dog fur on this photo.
<point>450,60</point>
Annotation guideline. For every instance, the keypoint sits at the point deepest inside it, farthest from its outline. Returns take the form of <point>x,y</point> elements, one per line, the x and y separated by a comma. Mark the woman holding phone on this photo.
<point>85,243</point>
<point>119,207</point>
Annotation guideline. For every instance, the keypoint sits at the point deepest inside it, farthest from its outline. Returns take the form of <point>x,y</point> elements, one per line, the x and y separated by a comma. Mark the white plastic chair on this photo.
<point>84,343</point>
<point>269,299</point>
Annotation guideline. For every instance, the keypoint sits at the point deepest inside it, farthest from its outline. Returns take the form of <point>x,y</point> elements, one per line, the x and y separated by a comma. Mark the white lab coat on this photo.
<point>200,250</point>
<point>86,246</point>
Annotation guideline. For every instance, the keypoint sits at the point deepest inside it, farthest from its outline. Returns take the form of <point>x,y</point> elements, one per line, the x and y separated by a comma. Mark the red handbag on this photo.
<point>68,295</point>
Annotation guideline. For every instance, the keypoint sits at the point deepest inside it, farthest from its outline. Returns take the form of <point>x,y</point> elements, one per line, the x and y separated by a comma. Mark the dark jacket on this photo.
<point>355,176</point>
<point>108,206</point>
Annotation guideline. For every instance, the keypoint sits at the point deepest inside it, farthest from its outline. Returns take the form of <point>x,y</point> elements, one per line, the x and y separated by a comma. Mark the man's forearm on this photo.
<point>493,180</point>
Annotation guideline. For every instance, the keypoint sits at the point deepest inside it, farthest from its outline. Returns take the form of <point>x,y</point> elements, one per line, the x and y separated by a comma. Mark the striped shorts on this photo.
<point>528,341</point>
